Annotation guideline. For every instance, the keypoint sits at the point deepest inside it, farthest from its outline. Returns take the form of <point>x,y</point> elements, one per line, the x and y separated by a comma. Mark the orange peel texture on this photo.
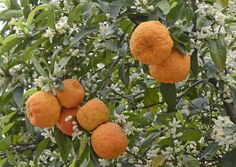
<point>151,43</point>
<point>66,126</point>
<point>92,114</point>
<point>174,69</point>
<point>72,94</point>
<point>43,109</point>
<point>109,141</point>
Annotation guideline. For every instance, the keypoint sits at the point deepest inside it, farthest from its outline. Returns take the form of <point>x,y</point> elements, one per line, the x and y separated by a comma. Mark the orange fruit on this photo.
<point>43,109</point>
<point>64,123</point>
<point>92,114</point>
<point>109,141</point>
<point>174,69</point>
<point>151,43</point>
<point>71,95</point>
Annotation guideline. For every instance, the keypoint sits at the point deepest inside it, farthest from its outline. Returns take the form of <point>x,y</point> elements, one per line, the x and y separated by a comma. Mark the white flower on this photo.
<point>134,75</point>
<point>226,141</point>
<point>48,134</point>
<point>76,135</point>
<point>106,30</point>
<point>69,117</point>
<point>55,2</point>
<point>74,28</point>
<point>120,118</point>
<point>75,52</point>
<point>49,34</point>
<point>40,81</point>
<point>220,18</point>
<point>145,2</point>
<point>103,162</point>
<point>62,25</point>
<point>174,124</point>
<point>151,7</point>
<point>129,128</point>
<point>100,66</point>
<point>115,87</point>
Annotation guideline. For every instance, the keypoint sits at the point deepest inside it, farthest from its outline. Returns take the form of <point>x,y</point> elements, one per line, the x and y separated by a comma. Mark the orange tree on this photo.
<point>189,123</point>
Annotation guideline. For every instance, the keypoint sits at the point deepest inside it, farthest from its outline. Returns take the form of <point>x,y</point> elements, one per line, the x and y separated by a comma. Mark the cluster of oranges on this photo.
<point>152,44</point>
<point>45,110</point>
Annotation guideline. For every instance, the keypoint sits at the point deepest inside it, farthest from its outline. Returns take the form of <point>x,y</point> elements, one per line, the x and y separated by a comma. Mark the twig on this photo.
<point>137,157</point>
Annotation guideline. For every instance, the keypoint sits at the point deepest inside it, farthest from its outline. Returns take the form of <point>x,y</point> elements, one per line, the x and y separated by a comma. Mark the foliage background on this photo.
<point>187,124</point>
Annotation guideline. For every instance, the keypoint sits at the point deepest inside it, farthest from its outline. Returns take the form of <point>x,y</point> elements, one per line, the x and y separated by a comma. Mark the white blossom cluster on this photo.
<point>223,24</point>
<point>46,84</point>
<point>224,132</point>
<point>142,6</point>
<point>127,125</point>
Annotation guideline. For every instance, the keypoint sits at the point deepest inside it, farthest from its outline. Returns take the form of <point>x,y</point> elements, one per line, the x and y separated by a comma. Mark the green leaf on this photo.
<point>180,117</point>
<point>26,7</point>
<point>17,95</point>
<point>218,52</point>
<point>229,159</point>
<point>2,162</point>
<point>210,151</point>
<point>33,12</point>
<point>38,67</point>
<point>11,4</point>
<point>7,118</point>
<point>150,138</point>
<point>6,128</point>
<point>158,160</point>
<point>51,19</point>
<point>9,42</point>
<point>64,144</point>
<point>194,63</point>
<point>177,12</point>
<point>224,3</point>
<point>30,91</point>
<point>190,161</point>
<point>191,135</point>
<point>83,143</point>
<point>84,32</point>
<point>164,6</point>
<point>35,44</point>
<point>6,15</point>
<point>180,38</point>
<point>151,97</point>
<point>233,93</point>
<point>72,163</point>
<point>114,10</point>
<point>5,143</point>
<point>41,147</point>
<point>124,73</point>
<point>11,158</point>
<point>168,92</point>
<point>110,45</point>
<point>63,62</point>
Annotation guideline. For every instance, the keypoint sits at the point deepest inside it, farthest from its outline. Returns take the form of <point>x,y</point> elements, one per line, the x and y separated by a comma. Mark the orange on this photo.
<point>65,124</point>
<point>151,43</point>
<point>109,141</point>
<point>92,114</point>
<point>43,109</point>
<point>71,95</point>
<point>174,69</point>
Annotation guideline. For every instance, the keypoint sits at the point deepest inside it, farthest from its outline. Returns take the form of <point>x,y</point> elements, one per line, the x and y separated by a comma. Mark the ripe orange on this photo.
<point>109,141</point>
<point>65,124</point>
<point>174,69</point>
<point>43,109</point>
<point>71,95</point>
<point>92,114</point>
<point>151,43</point>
